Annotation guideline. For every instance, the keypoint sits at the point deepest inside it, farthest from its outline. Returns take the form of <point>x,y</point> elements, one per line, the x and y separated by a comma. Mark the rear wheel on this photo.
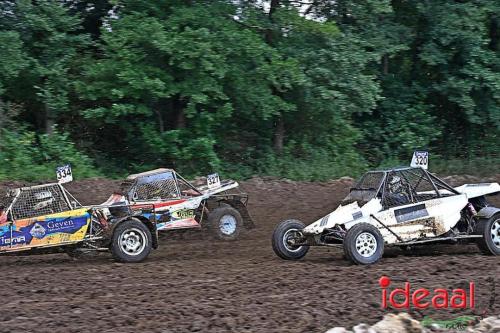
<point>225,223</point>
<point>490,230</point>
<point>284,236</point>
<point>363,244</point>
<point>132,241</point>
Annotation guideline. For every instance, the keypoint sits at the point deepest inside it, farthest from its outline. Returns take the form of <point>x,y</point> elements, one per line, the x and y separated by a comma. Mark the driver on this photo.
<point>397,195</point>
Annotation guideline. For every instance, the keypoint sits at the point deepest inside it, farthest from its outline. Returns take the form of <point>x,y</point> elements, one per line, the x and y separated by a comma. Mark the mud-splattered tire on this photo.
<point>225,223</point>
<point>490,230</point>
<point>363,244</point>
<point>281,234</point>
<point>131,242</point>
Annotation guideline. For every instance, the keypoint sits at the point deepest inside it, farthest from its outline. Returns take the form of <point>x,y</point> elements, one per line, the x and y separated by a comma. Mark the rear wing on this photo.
<point>225,185</point>
<point>478,190</point>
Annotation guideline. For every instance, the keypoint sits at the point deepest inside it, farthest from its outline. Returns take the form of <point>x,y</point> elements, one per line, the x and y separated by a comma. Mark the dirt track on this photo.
<point>195,284</point>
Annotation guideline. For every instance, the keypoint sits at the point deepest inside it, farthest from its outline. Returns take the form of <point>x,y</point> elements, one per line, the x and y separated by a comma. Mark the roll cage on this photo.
<point>38,200</point>
<point>160,184</point>
<point>399,186</point>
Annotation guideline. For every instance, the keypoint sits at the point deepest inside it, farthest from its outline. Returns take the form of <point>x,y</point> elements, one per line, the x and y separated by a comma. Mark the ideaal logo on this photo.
<point>422,298</point>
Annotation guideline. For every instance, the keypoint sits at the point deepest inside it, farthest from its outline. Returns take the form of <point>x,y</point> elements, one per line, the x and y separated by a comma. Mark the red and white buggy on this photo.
<point>177,204</point>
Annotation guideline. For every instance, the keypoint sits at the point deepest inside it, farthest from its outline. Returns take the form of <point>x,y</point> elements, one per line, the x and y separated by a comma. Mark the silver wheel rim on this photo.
<point>286,240</point>
<point>227,224</point>
<point>133,241</point>
<point>366,244</point>
<point>495,233</point>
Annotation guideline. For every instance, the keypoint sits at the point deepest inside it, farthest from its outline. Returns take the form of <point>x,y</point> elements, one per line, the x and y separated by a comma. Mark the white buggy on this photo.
<point>397,207</point>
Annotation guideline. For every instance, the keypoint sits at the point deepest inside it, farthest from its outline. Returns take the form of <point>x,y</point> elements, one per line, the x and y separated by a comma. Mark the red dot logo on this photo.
<point>384,282</point>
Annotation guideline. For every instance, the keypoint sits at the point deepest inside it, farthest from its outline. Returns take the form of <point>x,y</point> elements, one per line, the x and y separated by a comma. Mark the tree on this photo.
<point>52,48</point>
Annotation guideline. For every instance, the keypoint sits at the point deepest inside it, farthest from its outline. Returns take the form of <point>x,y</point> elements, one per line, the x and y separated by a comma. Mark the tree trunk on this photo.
<point>385,62</point>
<point>49,121</point>
<point>161,123</point>
<point>269,32</point>
<point>279,134</point>
<point>3,114</point>
<point>181,119</point>
<point>177,106</point>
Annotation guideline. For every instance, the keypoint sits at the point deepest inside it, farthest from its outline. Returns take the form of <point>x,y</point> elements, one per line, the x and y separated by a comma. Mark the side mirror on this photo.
<point>74,204</point>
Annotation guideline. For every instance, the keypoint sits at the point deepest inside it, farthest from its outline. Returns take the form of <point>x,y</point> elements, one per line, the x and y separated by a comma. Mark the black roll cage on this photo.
<point>380,191</point>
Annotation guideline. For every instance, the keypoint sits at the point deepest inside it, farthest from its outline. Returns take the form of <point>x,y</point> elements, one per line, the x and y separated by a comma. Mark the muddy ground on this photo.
<point>192,283</point>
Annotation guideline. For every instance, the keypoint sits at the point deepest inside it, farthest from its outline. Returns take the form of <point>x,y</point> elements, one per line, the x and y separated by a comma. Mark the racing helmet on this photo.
<point>395,184</point>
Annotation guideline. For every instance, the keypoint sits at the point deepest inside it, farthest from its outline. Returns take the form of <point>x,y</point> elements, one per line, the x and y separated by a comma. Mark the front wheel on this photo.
<point>490,230</point>
<point>363,244</point>
<point>132,241</point>
<point>284,236</point>
<point>225,223</point>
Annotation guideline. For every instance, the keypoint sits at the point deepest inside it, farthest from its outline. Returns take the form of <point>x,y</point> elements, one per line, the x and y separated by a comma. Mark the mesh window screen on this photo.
<point>370,180</point>
<point>160,186</point>
<point>5,201</point>
<point>366,189</point>
<point>39,201</point>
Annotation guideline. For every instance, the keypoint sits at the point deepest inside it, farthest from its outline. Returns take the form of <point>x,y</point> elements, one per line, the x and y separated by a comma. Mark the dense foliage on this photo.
<point>301,89</point>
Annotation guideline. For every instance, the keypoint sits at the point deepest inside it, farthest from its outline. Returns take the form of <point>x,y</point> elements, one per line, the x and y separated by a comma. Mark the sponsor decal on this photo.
<point>42,229</point>
<point>411,213</point>
<point>61,226</point>
<point>324,220</point>
<point>357,215</point>
<point>37,231</point>
<point>15,240</point>
<point>184,214</point>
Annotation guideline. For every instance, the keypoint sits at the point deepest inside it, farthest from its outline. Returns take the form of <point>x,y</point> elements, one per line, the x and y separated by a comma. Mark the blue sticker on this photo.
<point>41,229</point>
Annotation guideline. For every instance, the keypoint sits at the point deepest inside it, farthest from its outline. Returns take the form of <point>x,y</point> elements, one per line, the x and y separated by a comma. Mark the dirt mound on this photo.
<point>196,284</point>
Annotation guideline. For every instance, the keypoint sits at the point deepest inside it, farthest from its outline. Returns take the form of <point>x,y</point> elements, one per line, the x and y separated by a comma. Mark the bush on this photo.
<point>312,165</point>
<point>25,155</point>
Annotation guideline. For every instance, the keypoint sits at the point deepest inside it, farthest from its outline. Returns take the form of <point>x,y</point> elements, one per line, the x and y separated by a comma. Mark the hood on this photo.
<point>344,215</point>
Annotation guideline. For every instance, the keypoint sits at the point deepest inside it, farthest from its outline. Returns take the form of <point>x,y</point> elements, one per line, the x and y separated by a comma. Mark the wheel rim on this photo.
<point>366,244</point>
<point>289,234</point>
<point>227,224</point>
<point>495,233</point>
<point>133,241</point>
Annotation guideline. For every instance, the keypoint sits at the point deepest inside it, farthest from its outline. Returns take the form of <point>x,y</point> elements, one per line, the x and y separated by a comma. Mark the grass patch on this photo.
<point>459,323</point>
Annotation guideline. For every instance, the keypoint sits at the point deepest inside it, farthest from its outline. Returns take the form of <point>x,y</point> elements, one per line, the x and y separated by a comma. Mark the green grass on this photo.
<point>459,323</point>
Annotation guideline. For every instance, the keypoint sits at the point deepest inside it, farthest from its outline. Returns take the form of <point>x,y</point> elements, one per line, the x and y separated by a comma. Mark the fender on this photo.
<point>151,226</point>
<point>487,212</point>
<point>242,209</point>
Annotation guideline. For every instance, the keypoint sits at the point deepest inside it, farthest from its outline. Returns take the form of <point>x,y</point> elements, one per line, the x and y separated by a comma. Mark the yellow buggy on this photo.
<point>47,219</point>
